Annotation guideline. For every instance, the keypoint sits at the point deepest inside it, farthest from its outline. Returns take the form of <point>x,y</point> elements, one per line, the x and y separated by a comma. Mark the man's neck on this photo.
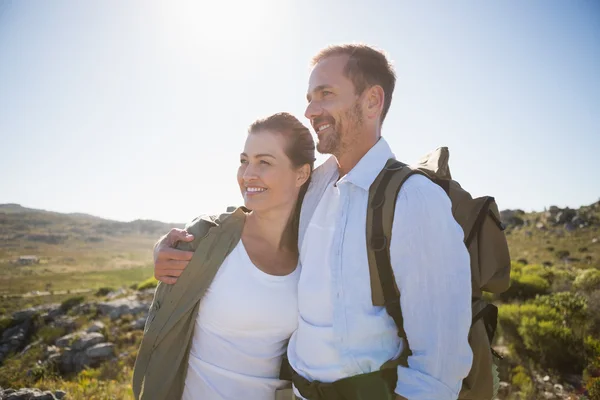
<point>348,160</point>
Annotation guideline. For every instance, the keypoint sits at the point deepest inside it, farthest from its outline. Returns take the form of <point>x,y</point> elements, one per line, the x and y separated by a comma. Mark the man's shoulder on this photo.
<point>420,190</point>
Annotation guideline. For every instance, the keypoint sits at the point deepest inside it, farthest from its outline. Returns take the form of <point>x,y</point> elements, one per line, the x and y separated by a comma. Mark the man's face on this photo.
<point>334,108</point>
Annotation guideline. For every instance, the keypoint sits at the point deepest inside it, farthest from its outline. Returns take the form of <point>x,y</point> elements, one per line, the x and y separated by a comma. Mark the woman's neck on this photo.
<point>272,226</point>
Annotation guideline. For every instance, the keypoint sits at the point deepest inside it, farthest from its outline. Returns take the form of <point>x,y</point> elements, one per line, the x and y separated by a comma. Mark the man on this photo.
<point>340,333</point>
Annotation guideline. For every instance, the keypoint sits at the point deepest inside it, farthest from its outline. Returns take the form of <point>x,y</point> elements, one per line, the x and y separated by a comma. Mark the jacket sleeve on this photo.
<point>432,270</point>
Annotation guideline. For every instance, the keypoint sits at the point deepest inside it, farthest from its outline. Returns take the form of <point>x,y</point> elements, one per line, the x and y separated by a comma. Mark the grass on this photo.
<point>69,281</point>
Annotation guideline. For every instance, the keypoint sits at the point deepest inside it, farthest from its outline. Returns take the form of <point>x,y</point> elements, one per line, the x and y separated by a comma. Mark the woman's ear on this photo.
<point>303,175</point>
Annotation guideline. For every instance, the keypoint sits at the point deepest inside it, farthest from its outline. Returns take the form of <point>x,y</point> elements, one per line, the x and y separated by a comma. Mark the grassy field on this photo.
<point>63,281</point>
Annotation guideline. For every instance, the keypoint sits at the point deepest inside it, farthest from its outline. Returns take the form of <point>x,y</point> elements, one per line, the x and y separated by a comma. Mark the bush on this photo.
<point>571,307</point>
<point>5,323</point>
<point>562,254</point>
<point>71,302</point>
<point>593,388</point>
<point>147,284</point>
<point>521,380</point>
<point>587,280</point>
<point>538,332</point>
<point>524,287</point>
<point>103,291</point>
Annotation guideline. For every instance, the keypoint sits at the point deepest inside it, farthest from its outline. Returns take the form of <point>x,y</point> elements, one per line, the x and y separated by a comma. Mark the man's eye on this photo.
<point>265,162</point>
<point>243,161</point>
<point>327,92</point>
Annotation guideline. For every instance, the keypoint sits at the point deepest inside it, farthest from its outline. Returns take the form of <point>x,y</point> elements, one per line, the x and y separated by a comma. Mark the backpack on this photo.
<point>487,247</point>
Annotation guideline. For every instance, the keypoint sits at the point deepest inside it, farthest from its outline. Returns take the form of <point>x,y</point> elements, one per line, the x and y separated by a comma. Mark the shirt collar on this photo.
<point>364,173</point>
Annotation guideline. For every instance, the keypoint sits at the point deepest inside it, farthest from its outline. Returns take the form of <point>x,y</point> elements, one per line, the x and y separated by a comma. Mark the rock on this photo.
<point>54,358</point>
<point>80,360</point>
<point>66,361</point>
<point>97,326</point>
<point>564,216</point>
<point>511,218</point>
<point>116,293</point>
<point>558,387</point>
<point>126,306</point>
<point>27,394</point>
<point>546,378</point>
<point>549,395</point>
<point>138,324</point>
<point>64,341</point>
<point>24,315</point>
<point>83,308</point>
<point>15,338</point>
<point>51,350</point>
<point>60,394</point>
<point>65,322</point>
<point>100,352</point>
<point>80,340</point>
<point>86,340</point>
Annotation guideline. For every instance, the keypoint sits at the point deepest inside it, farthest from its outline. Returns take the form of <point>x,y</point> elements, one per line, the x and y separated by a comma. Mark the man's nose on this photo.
<point>313,110</point>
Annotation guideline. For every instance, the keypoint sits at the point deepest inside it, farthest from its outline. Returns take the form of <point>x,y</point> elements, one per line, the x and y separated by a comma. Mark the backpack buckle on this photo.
<point>378,243</point>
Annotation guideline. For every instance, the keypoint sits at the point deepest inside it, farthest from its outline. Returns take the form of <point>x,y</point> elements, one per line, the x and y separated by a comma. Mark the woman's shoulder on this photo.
<point>203,224</point>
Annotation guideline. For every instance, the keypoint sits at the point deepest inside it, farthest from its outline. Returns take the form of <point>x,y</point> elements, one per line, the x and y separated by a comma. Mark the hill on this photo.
<point>42,250</point>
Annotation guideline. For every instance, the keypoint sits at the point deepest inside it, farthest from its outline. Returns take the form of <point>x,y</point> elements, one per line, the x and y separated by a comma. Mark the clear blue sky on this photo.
<point>139,109</point>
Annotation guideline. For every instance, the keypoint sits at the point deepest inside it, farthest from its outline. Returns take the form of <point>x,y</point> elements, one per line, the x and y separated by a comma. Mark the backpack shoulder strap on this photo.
<point>380,217</point>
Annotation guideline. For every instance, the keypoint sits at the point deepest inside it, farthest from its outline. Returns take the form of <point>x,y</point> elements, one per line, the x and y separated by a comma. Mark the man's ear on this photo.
<point>375,97</point>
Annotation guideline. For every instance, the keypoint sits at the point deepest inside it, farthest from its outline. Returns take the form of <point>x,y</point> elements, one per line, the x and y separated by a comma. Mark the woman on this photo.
<point>221,331</point>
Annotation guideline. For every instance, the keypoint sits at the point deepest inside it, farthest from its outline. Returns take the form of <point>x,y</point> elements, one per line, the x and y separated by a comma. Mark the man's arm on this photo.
<point>432,270</point>
<point>170,262</point>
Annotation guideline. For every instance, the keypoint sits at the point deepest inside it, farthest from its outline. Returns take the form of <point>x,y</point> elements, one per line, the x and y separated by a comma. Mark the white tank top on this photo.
<point>242,329</point>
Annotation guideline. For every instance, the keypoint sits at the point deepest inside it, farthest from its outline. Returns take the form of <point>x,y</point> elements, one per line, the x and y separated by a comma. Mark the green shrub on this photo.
<point>525,286</point>
<point>593,388</point>
<point>587,280</point>
<point>521,380</point>
<point>538,332</point>
<point>71,302</point>
<point>562,254</point>
<point>572,307</point>
<point>5,323</point>
<point>103,291</point>
<point>147,284</point>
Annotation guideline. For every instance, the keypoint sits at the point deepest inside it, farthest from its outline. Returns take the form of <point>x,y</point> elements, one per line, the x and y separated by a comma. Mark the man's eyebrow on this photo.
<point>259,155</point>
<point>318,89</point>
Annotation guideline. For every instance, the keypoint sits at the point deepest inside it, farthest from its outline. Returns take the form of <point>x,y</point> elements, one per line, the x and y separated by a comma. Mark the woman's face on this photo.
<point>266,176</point>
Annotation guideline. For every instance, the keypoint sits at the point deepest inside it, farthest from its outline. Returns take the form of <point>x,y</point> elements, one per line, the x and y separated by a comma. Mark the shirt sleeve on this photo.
<point>432,270</point>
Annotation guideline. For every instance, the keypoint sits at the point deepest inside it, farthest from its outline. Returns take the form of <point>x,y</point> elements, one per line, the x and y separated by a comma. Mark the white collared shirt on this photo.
<point>340,333</point>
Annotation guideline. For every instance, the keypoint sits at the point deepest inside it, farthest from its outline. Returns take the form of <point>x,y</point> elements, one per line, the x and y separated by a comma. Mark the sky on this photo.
<point>139,109</point>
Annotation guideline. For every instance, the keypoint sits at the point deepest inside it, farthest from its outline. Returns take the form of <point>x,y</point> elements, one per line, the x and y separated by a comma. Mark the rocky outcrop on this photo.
<point>130,305</point>
<point>16,337</point>
<point>31,394</point>
<point>75,351</point>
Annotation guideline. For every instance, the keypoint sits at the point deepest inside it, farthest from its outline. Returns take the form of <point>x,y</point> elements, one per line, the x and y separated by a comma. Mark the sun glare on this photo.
<point>216,26</point>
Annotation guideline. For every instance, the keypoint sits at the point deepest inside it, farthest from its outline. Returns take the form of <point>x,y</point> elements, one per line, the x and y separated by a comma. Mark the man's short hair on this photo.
<point>366,67</point>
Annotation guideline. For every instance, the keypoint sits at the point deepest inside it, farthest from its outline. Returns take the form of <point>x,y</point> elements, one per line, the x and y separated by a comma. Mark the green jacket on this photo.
<point>161,365</point>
